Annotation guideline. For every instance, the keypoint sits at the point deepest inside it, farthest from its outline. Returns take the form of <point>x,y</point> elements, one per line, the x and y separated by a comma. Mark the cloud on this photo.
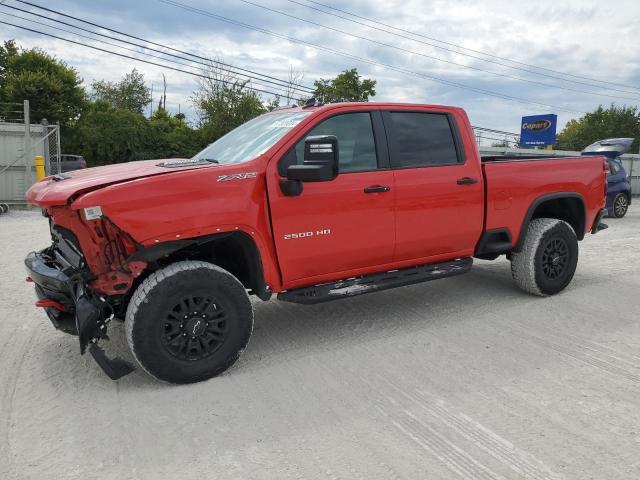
<point>587,39</point>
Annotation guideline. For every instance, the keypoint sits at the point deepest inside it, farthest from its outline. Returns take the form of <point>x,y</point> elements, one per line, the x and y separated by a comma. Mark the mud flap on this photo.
<point>115,368</point>
<point>91,323</point>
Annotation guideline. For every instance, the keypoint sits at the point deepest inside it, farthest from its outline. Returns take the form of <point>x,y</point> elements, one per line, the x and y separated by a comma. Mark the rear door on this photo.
<point>335,228</point>
<point>439,189</point>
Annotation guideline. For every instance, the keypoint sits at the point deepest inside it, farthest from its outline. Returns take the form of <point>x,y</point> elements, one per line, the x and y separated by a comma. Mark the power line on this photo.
<point>272,86</point>
<point>364,60</point>
<point>462,47</point>
<point>239,69</point>
<point>139,59</point>
<point>424,55</point>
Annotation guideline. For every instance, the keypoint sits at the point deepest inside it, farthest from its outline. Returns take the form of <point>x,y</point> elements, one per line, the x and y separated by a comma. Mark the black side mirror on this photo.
<point>320,160</point>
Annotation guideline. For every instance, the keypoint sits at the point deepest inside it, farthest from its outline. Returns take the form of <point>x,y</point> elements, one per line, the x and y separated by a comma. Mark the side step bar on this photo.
<point>375,282</point>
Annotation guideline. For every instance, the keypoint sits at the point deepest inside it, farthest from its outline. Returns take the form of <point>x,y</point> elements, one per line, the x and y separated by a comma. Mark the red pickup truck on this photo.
<point>312,203</point>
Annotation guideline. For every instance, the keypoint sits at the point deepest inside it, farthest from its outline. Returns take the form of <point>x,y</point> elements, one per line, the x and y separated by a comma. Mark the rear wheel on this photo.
<point>548,259</point>
<point>620,205</point>
<point>188,322</point>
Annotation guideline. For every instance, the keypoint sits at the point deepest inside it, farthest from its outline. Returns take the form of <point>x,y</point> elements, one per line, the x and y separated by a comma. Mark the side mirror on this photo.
<point>320,160</point>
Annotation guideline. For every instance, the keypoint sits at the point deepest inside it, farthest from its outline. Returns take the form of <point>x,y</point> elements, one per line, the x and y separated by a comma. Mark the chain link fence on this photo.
<point>20,142</point>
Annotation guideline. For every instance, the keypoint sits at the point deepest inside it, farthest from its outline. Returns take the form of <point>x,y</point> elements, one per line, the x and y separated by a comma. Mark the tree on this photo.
<point>224,102</point>
<point>131,93</point>
<point>53,89</point>
<point>8,50</point>
<point>104,135</point>
<point>600,124</point>
<point>348,86</point>
<point>173,137</point>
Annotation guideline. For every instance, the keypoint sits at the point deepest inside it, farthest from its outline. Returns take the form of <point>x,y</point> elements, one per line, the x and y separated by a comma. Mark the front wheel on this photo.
<point>188,322</point>
<point>548,259</point>
<point>620,205</point>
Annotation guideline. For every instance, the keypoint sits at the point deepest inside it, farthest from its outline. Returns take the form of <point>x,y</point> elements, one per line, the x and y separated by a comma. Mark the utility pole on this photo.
<point>164,95</point>
<point>151,104</point>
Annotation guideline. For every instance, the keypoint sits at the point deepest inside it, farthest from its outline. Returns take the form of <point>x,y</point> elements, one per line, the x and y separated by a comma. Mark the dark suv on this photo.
<point>72,162</point>
<point>618,185</point>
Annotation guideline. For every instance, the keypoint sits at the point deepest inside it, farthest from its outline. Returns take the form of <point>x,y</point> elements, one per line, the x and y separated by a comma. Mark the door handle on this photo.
<point>466,181</point>
<point>377,189</point>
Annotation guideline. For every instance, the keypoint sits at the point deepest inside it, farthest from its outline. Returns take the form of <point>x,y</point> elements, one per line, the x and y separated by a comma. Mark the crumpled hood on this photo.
<point>57,190</point>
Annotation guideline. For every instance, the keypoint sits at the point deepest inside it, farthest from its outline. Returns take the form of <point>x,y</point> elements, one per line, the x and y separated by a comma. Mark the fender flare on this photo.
<point>539,201</point>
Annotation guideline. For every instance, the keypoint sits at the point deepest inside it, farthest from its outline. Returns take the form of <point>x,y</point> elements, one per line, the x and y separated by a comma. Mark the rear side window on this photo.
<point>356,143</point>
<point>420,139</point>
<point>613,167</point>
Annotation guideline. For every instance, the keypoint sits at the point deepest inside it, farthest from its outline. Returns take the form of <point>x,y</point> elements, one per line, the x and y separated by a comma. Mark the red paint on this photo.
<point>425,217</point>
<point>48,303</point>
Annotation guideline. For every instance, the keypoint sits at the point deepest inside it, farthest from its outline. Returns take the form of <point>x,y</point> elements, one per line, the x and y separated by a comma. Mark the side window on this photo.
<point>613,167</point>
<point>356,144</point>
<point>420,139</point>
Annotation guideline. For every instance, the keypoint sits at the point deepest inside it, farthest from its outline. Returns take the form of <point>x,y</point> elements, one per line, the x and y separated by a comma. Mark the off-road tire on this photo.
<point>620,206</point>
<point>152,309</point>
<point>531,268</point>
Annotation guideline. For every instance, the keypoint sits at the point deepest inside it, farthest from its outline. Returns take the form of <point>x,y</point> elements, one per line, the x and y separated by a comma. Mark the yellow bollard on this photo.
<point>39,159</point>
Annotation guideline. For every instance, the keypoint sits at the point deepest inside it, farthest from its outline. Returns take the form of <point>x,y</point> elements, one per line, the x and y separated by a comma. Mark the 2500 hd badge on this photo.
<point>293,236</point>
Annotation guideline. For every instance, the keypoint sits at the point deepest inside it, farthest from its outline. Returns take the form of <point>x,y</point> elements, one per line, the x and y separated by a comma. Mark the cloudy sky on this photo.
<point>563,57</point>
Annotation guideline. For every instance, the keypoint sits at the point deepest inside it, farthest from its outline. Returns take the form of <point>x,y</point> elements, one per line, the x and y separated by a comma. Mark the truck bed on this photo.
<point>515,185</point>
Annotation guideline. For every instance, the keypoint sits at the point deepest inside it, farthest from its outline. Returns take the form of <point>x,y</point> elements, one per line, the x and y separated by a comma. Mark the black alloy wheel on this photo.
<point>194,328</point>
<point>555,258</point>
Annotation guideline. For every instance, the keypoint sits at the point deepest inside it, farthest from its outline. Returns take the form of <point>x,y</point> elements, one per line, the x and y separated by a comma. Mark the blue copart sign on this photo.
<point>538,130</point>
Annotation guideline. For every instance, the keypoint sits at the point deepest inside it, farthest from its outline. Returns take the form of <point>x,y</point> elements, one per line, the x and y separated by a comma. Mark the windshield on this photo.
<point>251,139</point>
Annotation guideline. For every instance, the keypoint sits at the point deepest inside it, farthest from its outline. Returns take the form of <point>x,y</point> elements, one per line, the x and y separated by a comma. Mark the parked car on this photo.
<point>68,163</point>
<point>618,191</point>
<point>313,203</point>
<point>618,184</point>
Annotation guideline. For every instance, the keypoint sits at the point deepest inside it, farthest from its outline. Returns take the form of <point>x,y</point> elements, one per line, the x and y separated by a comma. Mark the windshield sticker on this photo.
<point>237,176</point>
<point>286,123</point>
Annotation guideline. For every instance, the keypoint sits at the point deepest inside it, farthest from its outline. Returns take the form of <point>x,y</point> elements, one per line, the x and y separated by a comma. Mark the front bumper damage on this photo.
<point>73,307</point>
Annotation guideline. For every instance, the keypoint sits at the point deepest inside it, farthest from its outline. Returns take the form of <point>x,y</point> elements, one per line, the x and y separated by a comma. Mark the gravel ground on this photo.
<point>461,378</point>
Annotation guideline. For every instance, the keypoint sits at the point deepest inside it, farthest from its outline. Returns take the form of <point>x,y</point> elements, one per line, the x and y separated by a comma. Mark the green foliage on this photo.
<point>131,93</point>
<point>348,86</point>
<point>224,103</point>
<point>53,89</point>
<point>600,124</point>
<point>9,49</point>
<point>105,135</point>
<point>173,137</point>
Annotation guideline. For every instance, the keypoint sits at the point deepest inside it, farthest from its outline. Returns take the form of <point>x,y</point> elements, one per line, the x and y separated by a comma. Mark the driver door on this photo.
<point>336,228</point>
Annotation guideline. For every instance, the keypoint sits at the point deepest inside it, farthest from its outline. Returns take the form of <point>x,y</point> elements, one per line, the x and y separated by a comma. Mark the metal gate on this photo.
<point>20,142</point>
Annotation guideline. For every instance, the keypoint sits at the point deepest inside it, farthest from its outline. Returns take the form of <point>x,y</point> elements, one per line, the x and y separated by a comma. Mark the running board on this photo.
<point>375,282</point>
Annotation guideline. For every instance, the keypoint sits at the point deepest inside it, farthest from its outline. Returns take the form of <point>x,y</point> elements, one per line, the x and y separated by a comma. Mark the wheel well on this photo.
<point>568,207</point>
<point>236,252</point>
